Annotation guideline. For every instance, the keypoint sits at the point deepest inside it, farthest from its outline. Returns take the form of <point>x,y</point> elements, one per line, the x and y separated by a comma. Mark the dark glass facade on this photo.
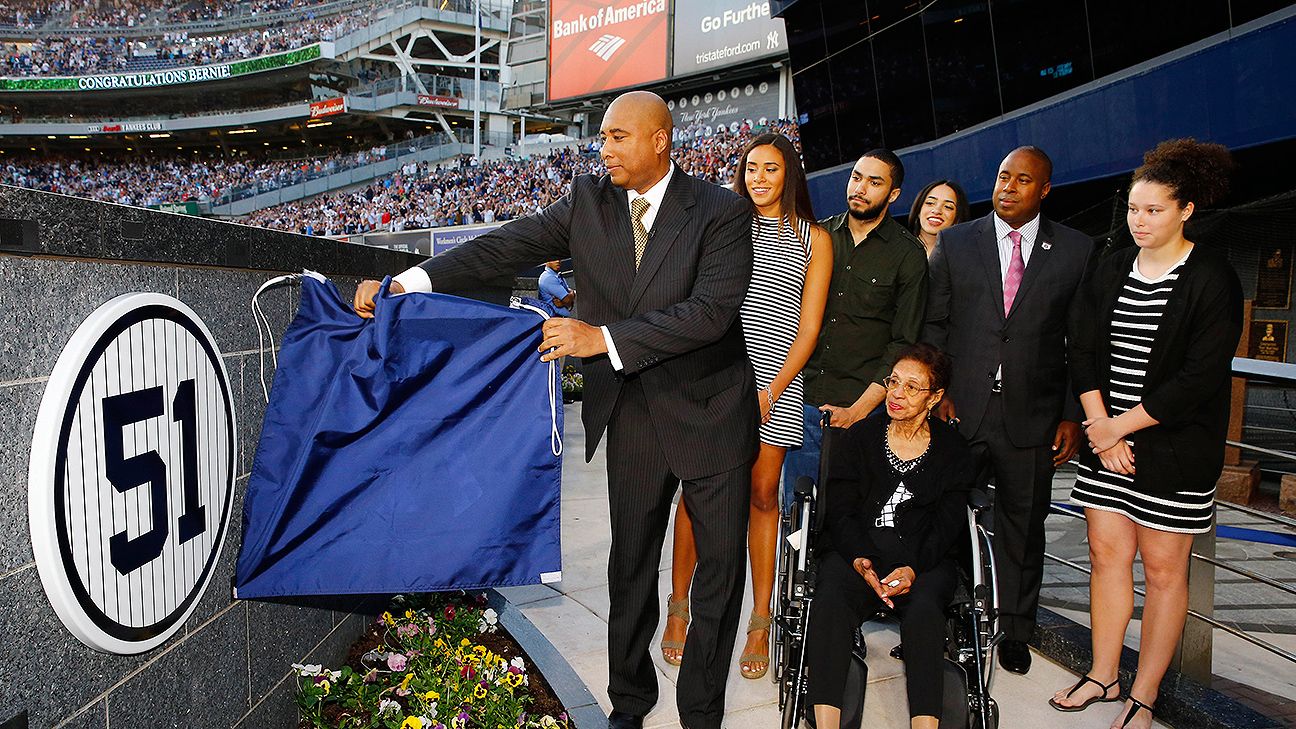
<point>894,73</point>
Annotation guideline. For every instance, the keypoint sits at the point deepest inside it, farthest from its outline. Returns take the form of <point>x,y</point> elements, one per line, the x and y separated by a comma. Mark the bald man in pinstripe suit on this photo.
<point>663,260</point>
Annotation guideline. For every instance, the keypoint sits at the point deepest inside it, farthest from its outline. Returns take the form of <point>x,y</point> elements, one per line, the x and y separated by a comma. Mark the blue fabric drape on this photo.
<point>411,452</point>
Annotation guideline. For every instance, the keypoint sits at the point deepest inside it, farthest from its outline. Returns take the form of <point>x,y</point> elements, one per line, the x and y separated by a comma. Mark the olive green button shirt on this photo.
<point>876,304</point>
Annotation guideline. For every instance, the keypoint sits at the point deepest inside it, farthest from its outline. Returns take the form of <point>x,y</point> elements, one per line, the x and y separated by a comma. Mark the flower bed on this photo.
<point>431,662</point>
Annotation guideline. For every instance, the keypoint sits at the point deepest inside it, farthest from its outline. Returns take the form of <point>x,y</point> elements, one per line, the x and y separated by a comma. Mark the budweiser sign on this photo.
<point>327,107</point>
<point>445,102</point>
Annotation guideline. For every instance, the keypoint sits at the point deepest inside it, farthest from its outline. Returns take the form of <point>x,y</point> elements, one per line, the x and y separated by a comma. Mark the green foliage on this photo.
<point>431,672</point>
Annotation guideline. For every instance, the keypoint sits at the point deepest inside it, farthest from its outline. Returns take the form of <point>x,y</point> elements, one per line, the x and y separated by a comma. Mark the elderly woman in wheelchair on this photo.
<point>896,498</point>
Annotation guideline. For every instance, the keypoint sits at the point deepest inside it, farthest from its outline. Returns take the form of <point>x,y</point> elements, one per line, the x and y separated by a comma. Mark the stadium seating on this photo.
<point>419,195</point>
<point>64,52</point>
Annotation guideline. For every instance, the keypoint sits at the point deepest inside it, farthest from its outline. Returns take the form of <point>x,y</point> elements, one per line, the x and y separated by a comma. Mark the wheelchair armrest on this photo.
<point>804,486</point>
<point>978,500</point>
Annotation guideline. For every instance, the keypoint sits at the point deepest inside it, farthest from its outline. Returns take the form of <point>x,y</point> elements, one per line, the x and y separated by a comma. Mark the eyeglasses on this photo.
<point>891,382</point>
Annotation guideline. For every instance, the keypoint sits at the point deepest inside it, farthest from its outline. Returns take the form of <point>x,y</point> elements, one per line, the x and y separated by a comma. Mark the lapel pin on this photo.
<point>1046,245</point>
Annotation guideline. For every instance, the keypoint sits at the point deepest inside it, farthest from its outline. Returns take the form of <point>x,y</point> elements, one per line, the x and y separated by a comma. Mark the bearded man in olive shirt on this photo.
<point>876,305</point>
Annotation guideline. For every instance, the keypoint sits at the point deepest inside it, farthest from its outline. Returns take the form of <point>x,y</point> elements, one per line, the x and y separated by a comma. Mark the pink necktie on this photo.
<point>1016,267</point>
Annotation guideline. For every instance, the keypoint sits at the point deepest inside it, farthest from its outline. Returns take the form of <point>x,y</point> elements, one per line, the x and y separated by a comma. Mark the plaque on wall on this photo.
<point>1273,277</point>
<point>1268,341</point>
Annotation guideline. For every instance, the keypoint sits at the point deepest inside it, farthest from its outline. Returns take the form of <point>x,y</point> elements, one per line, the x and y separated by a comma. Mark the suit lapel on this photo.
<point>615,212</point>
<point>988,246</point>
<point>666,227</point>
<point>1040,256</point>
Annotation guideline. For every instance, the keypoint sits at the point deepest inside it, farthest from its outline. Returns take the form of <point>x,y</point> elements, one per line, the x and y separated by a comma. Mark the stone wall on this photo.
<point>229,665</point>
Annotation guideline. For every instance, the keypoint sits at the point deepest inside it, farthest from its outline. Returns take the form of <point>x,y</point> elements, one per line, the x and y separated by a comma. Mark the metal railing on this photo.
<point>436,85</point>
<point>1194,657</point>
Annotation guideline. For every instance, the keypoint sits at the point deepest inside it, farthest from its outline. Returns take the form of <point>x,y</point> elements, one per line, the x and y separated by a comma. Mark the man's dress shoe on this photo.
<point>1015,656</point>
<point>622,720</point>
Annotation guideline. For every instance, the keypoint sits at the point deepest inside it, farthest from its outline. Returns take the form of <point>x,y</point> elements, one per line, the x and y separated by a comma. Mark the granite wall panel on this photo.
<point>228,664</point>
<point>18,406</point>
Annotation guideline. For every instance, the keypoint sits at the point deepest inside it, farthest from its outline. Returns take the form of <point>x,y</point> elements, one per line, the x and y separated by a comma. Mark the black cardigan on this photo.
<point>1187,385</point>
<point>860,481</point>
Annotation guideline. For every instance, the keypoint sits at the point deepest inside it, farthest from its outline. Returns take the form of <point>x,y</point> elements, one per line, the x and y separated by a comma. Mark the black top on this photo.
<point>861,480</point>
<point>1187,385</point>
<point>875,309</point>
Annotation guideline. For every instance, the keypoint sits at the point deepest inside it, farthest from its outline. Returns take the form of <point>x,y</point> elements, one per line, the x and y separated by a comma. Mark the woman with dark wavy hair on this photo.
<point>791,270</point>
<point>940,205</point>
<point>1157,327</point>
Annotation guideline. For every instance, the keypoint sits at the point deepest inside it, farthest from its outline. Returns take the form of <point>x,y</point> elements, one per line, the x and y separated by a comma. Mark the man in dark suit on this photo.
<point>664,260</point>
<point>999,301</point>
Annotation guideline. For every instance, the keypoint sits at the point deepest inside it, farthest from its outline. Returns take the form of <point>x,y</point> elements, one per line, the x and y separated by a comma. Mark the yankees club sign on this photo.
<point>132,473</point>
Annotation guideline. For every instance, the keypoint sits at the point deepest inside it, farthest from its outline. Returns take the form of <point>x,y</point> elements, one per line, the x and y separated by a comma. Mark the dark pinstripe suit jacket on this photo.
<point>674,321</point>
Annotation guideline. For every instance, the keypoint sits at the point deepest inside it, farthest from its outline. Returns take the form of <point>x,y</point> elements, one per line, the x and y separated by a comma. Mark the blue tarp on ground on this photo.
<point>408,453</point>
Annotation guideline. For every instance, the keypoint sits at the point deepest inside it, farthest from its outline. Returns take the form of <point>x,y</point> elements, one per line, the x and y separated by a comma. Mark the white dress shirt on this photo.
<point>1029,231</point>
<point>416,279</point>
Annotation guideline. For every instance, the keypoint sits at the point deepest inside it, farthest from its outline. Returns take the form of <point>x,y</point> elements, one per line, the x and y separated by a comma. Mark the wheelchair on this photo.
<point>972,630</point>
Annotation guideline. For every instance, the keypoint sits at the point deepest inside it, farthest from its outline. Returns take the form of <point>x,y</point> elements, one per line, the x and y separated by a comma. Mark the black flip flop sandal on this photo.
<point>1099,699</point>
<point>1137,705</point>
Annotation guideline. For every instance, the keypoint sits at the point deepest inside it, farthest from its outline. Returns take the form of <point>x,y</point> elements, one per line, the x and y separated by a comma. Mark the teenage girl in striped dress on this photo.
<point>1157,324</point>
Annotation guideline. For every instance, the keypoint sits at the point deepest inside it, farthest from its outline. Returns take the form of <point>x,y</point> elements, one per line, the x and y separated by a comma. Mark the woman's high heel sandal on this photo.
<point>1137,705</point>
<point>1100,698</point>
<point>759,659</point>
<point>675,609</point>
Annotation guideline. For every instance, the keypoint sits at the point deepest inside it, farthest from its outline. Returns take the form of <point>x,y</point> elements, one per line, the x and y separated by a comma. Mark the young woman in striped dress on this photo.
<point>1156,326</point>
<point>792,267</point>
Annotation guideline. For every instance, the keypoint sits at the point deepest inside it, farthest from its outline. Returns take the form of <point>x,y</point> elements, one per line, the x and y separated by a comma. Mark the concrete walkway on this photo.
<point>573,615</point>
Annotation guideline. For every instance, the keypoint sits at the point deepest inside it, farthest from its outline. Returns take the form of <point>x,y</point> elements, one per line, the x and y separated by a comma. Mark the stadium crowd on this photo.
<point>81,55</point>
<point>419,195</point>
<point>155,180</point>
<point>423,195</point>
<point>97,14</point>
<point>430,196</point>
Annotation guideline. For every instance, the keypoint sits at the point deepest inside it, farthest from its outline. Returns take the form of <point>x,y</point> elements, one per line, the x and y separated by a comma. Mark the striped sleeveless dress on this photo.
<point>1134,324</point>
<point>771,314</point>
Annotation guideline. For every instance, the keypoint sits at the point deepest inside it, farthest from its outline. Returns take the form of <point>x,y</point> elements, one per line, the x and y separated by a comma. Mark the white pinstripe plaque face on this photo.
<point>131,474</point>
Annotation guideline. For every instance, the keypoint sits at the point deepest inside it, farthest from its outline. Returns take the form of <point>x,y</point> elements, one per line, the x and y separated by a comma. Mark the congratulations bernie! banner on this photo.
<point>414,452</point>
<point>167,77</point>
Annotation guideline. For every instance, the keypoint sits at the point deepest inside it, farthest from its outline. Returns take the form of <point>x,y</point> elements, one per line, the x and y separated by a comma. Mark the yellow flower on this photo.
<point>326,686</point>
<point>412,722</point>
<point>439,643</point>
<point>479,691</point>
<point>409,614</point>
<point>387,618</point>
<point>464,643</point>
<point>431,696</point>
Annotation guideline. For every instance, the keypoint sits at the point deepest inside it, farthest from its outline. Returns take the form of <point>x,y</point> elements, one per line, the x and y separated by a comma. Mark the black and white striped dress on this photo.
<point>1134,324</point>
<point>771,314</point>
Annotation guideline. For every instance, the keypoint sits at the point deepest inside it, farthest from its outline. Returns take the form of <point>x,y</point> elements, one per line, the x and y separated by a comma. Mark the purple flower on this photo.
<point>396,662</point>
<point>372,676</point>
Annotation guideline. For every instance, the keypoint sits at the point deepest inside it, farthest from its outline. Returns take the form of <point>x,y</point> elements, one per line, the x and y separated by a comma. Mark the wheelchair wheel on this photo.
<point>992,713</point>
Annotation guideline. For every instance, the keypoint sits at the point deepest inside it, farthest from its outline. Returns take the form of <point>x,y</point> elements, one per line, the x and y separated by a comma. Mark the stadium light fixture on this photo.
<point>163,135</point>
<point>241,131</point>
<point>51,136</point>
<point>312,125</point>
<point>79,136</point>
